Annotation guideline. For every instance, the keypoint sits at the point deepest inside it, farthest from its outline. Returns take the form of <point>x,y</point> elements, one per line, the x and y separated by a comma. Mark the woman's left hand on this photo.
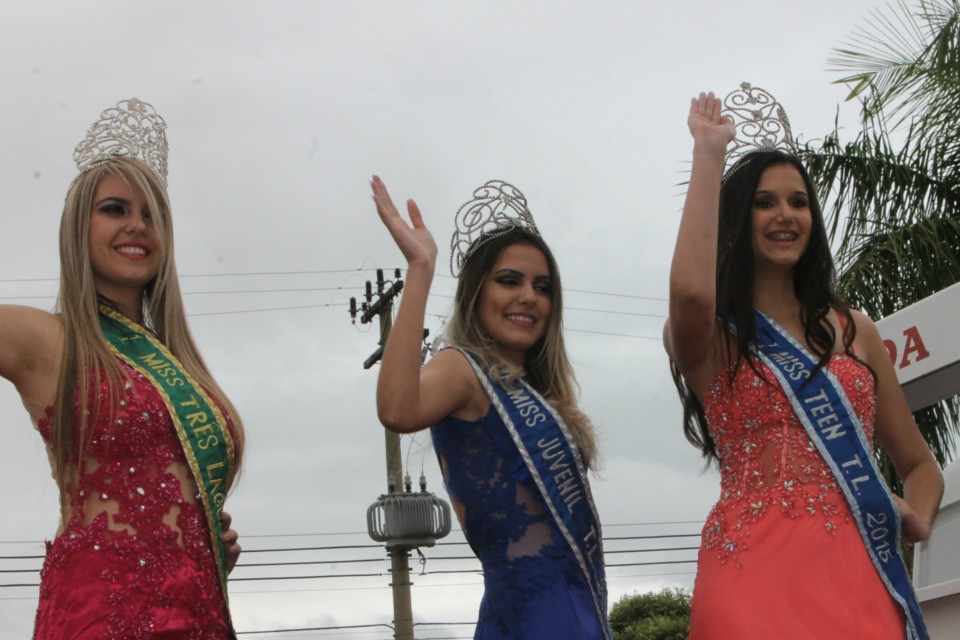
<point>414,239</point>
<point>229,538</point>
<point>914,529</point>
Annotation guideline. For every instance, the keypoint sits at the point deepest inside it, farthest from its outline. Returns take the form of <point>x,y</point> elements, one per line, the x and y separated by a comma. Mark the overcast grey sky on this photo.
<point>278,114</point>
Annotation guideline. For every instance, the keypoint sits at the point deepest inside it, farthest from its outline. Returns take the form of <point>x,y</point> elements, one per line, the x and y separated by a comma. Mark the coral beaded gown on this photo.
<point>780,555</point>
<point>133,560</point>
<point>533,588</point>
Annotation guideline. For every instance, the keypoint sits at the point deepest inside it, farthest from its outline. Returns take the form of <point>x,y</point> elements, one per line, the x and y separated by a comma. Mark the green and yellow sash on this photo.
<point>200,424</point>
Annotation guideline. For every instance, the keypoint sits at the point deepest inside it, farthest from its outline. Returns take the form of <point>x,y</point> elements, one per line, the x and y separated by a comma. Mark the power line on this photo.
<point>312,272</point>
<point>336,628</point>
<point>619,313</point>
<point>615,335</point>
<point>434,560</point>
<point>275,273</point>
<point>300,290</point>
<point>445,543</point>
<point>222,275</point>
<point>607,551</point>
<point>234,312</point>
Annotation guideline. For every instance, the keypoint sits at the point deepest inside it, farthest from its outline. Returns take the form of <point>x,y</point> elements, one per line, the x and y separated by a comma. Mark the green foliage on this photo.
<point>892,195</point>
<point>663,615</point>
<point>656,628</point>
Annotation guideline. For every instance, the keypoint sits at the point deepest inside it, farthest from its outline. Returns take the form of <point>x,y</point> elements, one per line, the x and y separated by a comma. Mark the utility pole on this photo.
<point>399,556</point>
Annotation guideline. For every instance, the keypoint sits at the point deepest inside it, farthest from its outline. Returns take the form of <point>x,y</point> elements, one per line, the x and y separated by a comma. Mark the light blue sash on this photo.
<point>554,462</point>
<point>823,408</point>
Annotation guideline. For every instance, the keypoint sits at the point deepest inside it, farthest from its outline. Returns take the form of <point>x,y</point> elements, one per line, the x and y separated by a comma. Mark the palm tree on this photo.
<point>893,192</point>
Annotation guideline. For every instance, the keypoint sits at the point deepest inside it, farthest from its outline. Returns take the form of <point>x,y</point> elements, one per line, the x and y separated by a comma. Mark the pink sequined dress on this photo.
<point>133,561</point>
<point>780,554</point>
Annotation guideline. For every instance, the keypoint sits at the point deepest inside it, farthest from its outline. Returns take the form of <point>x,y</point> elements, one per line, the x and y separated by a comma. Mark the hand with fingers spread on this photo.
<point>707,124</point>
<point>414,239</point>
<point>689,331</point>
<point>400,403</point>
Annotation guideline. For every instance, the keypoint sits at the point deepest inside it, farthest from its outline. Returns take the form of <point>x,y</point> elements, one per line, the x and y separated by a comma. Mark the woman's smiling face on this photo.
<point>781,218</point>
<point>515,302</point>
<point>124,245</point>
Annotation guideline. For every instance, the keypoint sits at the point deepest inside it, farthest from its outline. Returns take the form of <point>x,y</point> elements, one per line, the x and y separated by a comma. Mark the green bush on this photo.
<point>663,615</point>
<point>657,628</point>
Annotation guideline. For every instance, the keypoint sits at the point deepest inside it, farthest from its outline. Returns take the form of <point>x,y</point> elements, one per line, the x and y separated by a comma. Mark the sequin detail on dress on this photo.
<point>768,465</point>
<point>133,561</point>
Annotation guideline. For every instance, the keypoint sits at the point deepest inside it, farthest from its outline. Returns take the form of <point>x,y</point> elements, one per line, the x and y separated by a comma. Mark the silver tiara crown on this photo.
<point>134,129</point>
<point>761,125</point>
<point>496,208</point>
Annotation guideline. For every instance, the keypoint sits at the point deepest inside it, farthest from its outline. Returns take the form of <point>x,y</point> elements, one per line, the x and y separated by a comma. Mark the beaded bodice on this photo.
<point>767,462</point>
<point>135,508</point>
<point>502,515</point>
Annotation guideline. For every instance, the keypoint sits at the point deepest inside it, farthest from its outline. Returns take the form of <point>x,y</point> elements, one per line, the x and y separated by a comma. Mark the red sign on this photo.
<point>910,350</point>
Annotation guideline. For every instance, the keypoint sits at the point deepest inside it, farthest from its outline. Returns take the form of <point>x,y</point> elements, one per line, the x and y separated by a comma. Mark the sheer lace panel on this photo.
<point>503,517</point>
<point>133,472</point>
<point>133,559</point>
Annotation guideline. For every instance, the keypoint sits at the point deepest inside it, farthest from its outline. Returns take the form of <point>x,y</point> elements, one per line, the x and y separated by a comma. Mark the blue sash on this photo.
<point>554,462</point>
<point>823,408</point>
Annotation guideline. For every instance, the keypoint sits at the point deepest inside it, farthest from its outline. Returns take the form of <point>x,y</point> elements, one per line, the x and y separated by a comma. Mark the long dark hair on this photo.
<point>814,282</point>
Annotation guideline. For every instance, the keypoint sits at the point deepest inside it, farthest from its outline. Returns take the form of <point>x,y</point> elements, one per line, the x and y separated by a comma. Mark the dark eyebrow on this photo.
<point>768,192</point>
<point>111,199</point>
<point>507,271</point>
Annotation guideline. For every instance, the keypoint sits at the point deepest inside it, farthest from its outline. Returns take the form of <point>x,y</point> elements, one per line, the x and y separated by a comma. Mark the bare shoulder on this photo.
<point>30,342</point>
<point>868,344</point>
<point>452,368</point>
<point>450,372</point>
<point>31,349</point>
<point>699,375</point>
<point>28,329</point>
<point>863,321</point>
<point>15,312</point>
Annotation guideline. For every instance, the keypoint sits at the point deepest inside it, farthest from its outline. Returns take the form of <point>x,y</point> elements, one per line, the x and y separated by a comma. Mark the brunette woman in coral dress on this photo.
<point>143,547</point>
<point>781,553</point>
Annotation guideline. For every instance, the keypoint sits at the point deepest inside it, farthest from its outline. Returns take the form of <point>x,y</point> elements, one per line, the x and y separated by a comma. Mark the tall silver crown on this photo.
<point>761,125</point>
<point>496,208</point>
<point>134,129</point>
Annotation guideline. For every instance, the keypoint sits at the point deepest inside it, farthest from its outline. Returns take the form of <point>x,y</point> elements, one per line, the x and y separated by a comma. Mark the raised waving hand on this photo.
<point>690,328</point>
<point>414,239</point>
<point>707,124</point>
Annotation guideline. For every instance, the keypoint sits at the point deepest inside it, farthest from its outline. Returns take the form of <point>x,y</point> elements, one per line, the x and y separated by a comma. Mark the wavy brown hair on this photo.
<point>546,367</point>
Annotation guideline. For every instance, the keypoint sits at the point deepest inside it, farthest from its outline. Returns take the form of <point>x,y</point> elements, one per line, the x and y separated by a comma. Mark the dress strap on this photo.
<point>843,328</point>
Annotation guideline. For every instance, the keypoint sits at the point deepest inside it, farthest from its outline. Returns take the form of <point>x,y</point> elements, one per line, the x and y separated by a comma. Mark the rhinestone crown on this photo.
<point>761,125</point>
<point>496,208</point>
<point>134,129</point>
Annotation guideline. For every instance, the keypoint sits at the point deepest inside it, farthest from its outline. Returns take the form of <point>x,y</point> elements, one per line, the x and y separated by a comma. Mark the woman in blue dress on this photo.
<point>501,405</point>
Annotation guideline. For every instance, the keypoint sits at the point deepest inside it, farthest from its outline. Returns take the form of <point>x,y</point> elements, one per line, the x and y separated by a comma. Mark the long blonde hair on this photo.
<point>86,355</point>
<point>546,366</point>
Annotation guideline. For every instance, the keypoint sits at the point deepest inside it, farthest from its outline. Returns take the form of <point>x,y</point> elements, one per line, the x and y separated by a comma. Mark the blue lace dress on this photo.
<point>533,587</point>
